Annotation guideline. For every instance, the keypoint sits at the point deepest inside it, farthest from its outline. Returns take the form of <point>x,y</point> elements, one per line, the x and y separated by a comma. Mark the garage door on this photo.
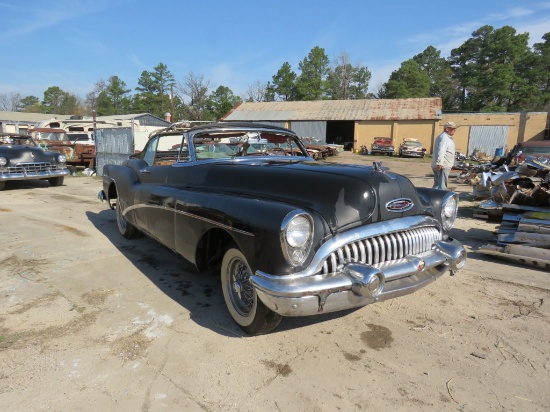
<point>487,139</point>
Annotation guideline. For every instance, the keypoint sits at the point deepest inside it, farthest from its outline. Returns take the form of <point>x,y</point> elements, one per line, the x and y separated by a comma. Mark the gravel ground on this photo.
<point>90,321</point>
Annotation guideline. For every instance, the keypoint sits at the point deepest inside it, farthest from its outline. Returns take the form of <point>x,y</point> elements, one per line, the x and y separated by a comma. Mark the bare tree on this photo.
<point>10,102</point>
<point>195,87</point>
<point>92,97</point>
<point>256,92</point>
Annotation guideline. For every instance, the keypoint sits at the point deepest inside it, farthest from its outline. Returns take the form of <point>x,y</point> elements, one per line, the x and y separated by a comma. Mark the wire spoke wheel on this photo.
<point>241,298</point>
<point>126,229</point>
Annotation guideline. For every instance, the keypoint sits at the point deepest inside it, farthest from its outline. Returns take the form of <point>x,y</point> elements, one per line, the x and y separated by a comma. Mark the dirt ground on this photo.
<point>90,321</point>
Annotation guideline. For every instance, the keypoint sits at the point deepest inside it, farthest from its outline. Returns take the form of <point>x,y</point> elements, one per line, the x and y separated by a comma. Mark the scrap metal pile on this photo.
<point>521,193</point>
<point>499,183</point>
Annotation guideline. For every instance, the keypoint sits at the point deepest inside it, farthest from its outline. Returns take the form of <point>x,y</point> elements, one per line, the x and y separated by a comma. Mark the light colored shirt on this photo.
<point>444,151</point>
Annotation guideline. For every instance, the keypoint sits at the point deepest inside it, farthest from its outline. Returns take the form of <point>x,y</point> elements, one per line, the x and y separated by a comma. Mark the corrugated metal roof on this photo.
<point>376,109</point>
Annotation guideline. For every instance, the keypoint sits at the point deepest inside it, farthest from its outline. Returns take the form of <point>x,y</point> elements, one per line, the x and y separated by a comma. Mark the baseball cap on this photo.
<point>450,125</point>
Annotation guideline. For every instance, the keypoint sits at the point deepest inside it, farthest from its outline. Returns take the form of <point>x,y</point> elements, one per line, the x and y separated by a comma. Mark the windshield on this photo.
<point>233,144</point>
<point>51,136</point>
<point>412,143</point>
<point>17,140</point>
<point>536,149</point>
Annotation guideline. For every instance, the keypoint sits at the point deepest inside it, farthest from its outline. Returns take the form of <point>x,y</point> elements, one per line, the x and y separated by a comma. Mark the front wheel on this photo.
<point>240,296</point>
<point>56,181</point>
<point>126,229</point>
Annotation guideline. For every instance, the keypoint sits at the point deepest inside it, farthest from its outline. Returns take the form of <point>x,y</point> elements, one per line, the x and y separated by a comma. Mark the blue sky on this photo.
<point>73,44</point>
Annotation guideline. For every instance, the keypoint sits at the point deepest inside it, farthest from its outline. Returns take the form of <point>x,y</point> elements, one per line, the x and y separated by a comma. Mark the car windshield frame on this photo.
<point>17,140</point>
<point>220,143</point>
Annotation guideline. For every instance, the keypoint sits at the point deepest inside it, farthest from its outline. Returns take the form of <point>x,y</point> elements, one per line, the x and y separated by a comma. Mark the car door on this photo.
<point>161,178</point>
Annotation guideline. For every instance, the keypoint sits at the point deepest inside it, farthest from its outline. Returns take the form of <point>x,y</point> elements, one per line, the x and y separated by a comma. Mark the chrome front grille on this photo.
<point>383,248</point>
<point>31,167</point>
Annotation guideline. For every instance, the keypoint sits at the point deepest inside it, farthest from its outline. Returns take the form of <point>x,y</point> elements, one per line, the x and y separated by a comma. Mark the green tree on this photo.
<point>57,101</point>
<point>311,83</point>
<point>221,101</point>
<point>117,92</point>
<point>487,67</point>
<point>154,91</point>
<point>146,100</point>
<point>31,104</point>
<point>284,85</point>
<point>442,83</point>
<point>53,99</point>
<point>409,81</point>
<point>165,81</point>
<point>540,73</point>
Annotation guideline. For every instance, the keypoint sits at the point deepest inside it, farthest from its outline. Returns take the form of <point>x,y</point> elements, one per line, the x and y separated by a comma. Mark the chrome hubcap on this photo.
<point>242,290</point>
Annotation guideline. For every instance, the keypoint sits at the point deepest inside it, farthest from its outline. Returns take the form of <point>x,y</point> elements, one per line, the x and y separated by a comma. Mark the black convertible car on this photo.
<point>290,236</point>
<point>22,159</point>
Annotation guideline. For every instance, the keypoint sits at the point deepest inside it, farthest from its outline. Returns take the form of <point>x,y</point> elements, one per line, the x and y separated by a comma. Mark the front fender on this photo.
<point>433,200</point>
<point>254,224</point>
<point>118,180</point>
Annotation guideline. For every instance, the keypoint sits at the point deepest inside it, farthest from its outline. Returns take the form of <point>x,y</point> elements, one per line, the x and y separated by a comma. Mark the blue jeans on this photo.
<point>440,178</point>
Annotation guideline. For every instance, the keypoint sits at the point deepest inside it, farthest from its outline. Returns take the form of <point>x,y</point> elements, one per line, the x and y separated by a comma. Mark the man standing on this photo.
<point>444,155</point>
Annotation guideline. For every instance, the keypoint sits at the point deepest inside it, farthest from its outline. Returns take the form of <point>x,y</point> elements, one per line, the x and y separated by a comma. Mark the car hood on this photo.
<point>27,154</point>
<point>344,195</point>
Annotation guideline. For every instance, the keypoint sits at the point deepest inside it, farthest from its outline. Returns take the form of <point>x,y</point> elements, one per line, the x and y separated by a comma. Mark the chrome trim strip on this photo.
<point>171,209</point>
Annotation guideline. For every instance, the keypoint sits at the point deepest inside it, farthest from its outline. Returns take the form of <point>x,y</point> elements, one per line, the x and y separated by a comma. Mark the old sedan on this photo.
<point>411,148</point>
<point>289,236</point>
<point>22,159</point>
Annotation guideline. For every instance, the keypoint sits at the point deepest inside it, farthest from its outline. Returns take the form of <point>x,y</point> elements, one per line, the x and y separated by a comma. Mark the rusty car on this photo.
<point>57,140</point>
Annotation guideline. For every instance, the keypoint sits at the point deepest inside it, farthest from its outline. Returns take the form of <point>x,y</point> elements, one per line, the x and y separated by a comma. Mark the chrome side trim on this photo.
<point>180,212</point>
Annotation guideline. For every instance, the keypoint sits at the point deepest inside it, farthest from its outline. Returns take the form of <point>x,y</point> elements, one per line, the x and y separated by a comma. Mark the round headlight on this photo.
<point>61,158</point>
<point>298,231</point>
<point>449,210</point>
<point>3,161</point>
<point>296,236</point>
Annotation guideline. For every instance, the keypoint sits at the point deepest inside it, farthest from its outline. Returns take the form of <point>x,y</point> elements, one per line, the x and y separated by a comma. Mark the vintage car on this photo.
<point>289,236</point>
<point>22,159</point>
<point>383,145</point>
<point>535,148</point>
<point>411,148</point>
<point>57,140</point>
<point>322,149</point>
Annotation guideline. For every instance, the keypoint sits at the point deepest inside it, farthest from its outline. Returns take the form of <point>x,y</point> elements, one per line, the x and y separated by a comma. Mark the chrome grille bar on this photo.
<point>31,167</point>
<point>383,248</point>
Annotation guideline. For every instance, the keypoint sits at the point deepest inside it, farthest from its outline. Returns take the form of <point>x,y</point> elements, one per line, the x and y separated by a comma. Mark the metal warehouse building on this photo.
<point>358,122</point>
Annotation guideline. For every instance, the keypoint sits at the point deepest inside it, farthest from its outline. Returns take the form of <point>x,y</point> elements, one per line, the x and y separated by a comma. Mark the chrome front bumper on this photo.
<point>357,284</point>
<point>31,175</point>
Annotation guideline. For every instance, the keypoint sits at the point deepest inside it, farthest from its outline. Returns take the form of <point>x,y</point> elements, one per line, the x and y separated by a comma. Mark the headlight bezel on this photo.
<point>449,210</point>
<point>61,158</point>
<point>3,161</point>
<point>296,236</point>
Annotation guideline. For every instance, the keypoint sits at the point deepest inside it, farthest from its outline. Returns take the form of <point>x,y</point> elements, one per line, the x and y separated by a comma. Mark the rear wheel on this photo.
<point>56,181</point>
<point>240,296</point>
<point>126,229</point>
